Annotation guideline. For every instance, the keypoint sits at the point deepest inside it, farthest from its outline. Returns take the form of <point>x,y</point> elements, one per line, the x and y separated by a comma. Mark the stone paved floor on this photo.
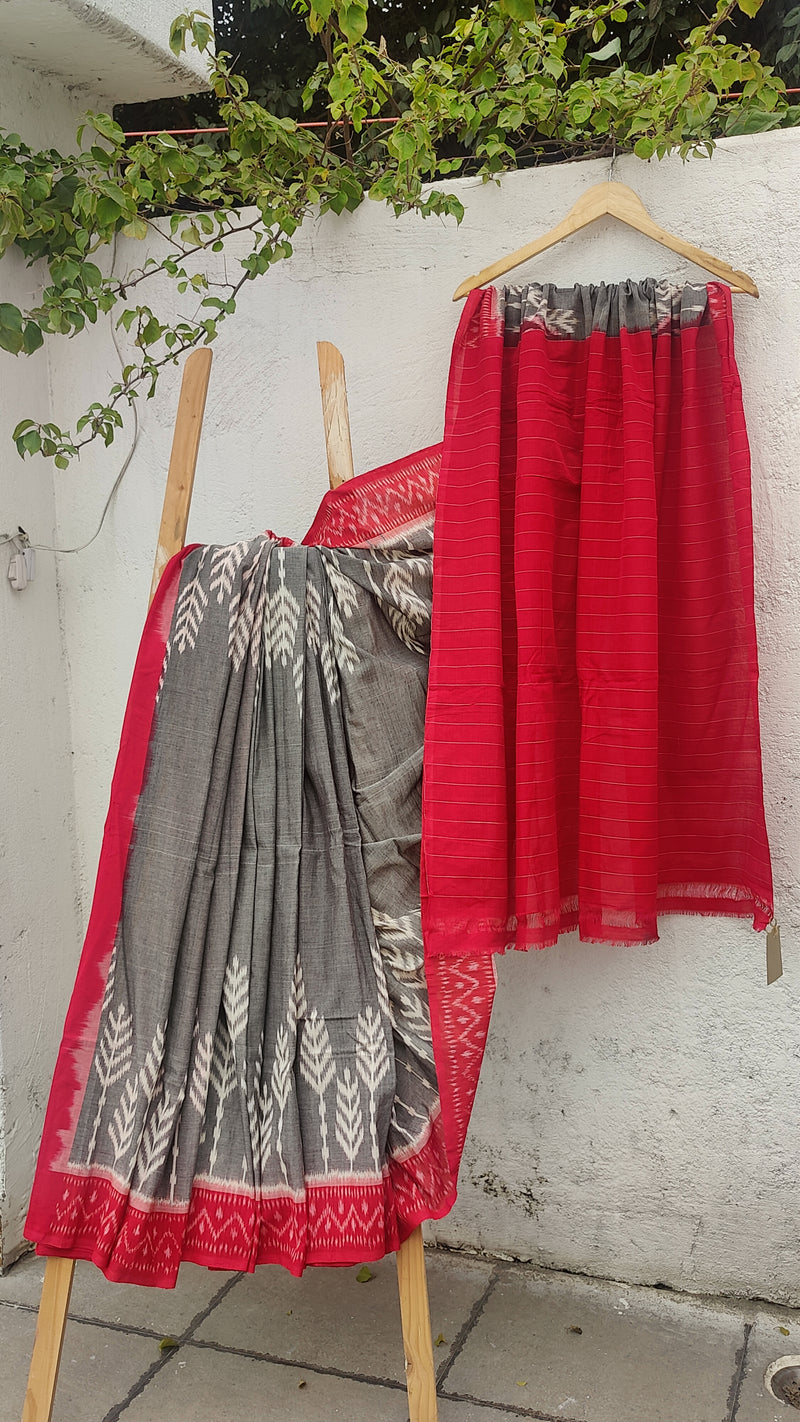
<point>512,1341</point>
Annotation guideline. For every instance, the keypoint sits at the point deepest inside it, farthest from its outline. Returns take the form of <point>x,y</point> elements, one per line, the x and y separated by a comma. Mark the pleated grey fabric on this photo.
<point>265,1031</point>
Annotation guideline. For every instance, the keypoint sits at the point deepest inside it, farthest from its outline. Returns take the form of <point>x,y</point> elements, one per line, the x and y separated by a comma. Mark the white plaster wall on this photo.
<point>57,58</point>
<point>40,109</point>
<point>638,1113</point>
<point>39,927</point>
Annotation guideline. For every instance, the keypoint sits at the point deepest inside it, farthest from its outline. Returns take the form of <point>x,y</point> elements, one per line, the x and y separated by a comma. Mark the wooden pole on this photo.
<point>411,1277</point>
<point>58,1273</point>
<point>49,1340</point>
<point>182,460</point>
<point>416,1320</point>
<point>334,413</point>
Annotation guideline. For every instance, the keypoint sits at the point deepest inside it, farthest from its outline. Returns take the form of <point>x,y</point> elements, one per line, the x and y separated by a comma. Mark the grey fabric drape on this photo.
<point>265,1028</point>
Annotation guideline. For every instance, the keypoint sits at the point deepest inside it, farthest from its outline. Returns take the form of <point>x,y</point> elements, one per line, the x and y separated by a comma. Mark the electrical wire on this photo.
<point>46,547</point>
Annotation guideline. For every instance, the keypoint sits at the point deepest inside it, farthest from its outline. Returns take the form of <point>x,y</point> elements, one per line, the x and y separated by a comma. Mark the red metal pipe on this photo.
<point>315,123</point>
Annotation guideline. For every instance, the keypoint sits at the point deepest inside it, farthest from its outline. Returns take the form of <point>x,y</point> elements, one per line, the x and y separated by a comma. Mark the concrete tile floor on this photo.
<point>513,1341</point>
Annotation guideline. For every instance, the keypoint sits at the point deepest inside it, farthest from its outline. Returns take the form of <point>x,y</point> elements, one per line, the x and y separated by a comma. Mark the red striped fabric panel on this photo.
<point>592,754</point>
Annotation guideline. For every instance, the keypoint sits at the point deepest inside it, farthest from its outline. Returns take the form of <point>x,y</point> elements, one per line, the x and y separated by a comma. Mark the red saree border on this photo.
<point>92,1220</point>
<point>401,493</point>
<point>73,1064</point>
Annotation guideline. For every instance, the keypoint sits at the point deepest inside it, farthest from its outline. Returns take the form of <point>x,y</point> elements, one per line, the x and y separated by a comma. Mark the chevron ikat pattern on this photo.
<point>375,507</point>
<point>247,1073</point>
<point>340,1221</point>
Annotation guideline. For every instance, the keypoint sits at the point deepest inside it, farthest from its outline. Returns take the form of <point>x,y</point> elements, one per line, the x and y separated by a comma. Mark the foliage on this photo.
<point>504,87</point>
<point>780,39</point>
<point>275,52</point>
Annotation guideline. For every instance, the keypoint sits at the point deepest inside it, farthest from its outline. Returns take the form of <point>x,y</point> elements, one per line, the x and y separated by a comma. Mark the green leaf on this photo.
<point>137,227</point>
<point>21,428</point>
<point>644,148</point>
<point>202,35</point>
<point>751,121</point>
<point>106,127</point>
<point>177,34</point>
<point>10,317</point>
<point>62,461</point>
<point>115,193</point>
<point>150,332</point>
<point>32,338</point>
<point>11,339</point>
<point>64,270</point>
<point>364,1274</point>
<point>38,188</point>
<point>353,20</point>
<point>519,9</point>
<point>108,211</point>
<point>750,7</point>
<point>402,144</point>
<point>608,50</point>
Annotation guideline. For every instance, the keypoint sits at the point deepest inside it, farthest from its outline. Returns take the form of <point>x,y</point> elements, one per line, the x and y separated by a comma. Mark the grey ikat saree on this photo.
<point>247,1073</point>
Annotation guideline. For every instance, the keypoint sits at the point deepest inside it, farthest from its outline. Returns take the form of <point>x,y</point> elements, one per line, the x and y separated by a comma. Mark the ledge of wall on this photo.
<point>118,49</point>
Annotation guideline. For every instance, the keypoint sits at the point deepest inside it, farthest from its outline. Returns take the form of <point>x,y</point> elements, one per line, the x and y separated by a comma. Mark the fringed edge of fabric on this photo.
<point>445,938</point>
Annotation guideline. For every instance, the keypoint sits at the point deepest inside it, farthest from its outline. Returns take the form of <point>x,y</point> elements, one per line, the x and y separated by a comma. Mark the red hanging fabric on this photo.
<point>592,755</point>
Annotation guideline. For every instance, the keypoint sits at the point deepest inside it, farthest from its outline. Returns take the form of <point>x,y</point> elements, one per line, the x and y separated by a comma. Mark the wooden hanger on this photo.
<point>614,200</point>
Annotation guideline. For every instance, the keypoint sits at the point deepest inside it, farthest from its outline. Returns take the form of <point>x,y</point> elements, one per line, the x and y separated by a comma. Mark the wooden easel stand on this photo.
<point>58,1274</point>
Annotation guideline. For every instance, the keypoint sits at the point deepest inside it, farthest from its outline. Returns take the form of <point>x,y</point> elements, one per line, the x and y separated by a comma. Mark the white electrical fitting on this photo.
<point>22,566</point>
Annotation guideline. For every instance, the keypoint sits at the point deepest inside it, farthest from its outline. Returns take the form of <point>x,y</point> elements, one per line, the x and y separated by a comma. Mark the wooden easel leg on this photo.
<point>416,1320</point>
<point>182,460</point>
<point>414,1310</point>
<point>58,1273</point>
<point>335,417</point>
<point>52,1321</point>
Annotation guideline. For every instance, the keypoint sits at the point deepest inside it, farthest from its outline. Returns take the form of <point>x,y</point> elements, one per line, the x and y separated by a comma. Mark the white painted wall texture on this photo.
<point>638,1112</point>
<point>39,913</point>
<point>39,921</point>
